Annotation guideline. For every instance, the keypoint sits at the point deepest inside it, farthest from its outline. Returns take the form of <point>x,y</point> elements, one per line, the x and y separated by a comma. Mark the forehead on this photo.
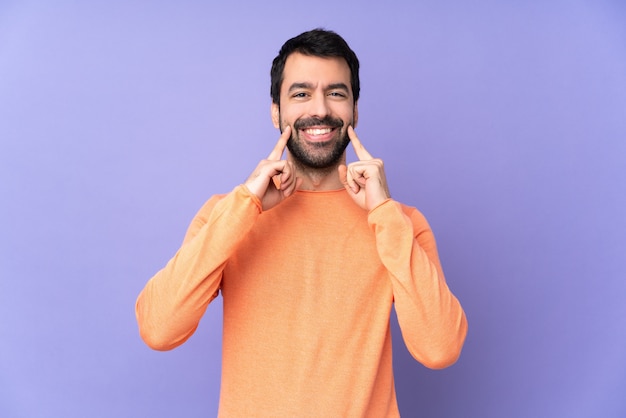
<point>300,68</point>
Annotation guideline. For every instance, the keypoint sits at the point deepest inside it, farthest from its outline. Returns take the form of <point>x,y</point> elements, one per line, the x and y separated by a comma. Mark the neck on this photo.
<point>318,179</point>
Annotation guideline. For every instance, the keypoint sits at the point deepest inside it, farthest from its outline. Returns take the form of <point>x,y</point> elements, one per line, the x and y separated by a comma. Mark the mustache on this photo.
<point>326,121</point>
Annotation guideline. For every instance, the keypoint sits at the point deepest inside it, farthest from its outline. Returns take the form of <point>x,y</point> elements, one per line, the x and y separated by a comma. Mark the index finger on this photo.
<point>359,149</point>
<point>279,148</point>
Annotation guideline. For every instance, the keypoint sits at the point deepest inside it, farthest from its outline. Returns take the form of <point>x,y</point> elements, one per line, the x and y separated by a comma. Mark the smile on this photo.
<point>318,131</point>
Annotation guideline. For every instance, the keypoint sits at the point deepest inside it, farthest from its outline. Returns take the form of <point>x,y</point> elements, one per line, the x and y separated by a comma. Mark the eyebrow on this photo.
<point>338,86</point>
<point>296,86</point>
<point>333,86</point>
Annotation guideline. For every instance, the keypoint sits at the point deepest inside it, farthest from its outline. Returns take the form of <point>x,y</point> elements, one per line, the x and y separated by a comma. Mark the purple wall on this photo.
<point>504,124</point>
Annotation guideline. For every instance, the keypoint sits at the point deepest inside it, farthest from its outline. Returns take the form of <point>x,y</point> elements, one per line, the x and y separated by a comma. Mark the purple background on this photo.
<point>504,123</point>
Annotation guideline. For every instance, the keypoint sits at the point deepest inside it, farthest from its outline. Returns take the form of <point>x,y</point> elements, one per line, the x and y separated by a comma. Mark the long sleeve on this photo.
<point>171,304</point>
<point>431,318</point>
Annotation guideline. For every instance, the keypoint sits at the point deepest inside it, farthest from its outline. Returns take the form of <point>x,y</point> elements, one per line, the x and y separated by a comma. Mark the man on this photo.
<point>310,255</point>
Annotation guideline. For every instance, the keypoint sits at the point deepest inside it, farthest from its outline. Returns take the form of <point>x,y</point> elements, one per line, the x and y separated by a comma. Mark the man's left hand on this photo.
<point>364,179</point>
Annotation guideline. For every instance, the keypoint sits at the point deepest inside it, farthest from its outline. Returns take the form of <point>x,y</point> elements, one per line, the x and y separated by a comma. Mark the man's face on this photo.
<point>316,101</point>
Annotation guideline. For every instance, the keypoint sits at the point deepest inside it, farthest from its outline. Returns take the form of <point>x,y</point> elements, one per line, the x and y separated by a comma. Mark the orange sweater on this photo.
<point>308,287</point>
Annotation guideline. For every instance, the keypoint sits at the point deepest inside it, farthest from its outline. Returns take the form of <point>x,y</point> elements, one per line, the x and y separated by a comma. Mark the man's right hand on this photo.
<point>260,183</point>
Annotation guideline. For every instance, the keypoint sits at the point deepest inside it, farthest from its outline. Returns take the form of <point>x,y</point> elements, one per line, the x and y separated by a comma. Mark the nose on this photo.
<point>318,106</point>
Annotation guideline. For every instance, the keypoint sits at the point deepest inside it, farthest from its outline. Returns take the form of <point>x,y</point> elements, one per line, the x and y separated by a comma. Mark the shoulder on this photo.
<point>202,216</point>
<point>421,228</point>
<point>417,218</point>
<point>208,206</point>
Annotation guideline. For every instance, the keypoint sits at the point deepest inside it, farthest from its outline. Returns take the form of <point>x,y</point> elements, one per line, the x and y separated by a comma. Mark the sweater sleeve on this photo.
<point>431,318</point>
<point>171,304</point>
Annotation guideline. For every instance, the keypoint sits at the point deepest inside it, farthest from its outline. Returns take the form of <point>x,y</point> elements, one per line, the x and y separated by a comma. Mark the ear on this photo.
<point>275,111</point>
<point>355,116</point>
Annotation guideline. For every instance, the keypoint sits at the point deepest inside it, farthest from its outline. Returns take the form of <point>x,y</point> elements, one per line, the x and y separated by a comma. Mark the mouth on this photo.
<point>317,131</point>
<point>318,134</point>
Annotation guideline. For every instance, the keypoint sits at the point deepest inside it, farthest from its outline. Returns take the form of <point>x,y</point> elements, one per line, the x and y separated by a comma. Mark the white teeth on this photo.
<point>318,131</point>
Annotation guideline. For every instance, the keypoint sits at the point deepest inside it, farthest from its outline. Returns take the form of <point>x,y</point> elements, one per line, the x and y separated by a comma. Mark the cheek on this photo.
<point>286,119</point>
<point>346,113</point>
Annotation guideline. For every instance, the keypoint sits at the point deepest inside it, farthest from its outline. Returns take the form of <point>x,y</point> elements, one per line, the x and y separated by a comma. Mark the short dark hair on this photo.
<point>319,43</point>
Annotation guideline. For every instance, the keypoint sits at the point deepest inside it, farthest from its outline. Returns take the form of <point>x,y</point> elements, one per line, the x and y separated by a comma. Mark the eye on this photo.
<point>299,95</point>
<point>336,94</point>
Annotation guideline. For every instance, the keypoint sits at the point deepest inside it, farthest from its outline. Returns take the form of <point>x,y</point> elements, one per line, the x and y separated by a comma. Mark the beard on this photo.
<point>318,155</point>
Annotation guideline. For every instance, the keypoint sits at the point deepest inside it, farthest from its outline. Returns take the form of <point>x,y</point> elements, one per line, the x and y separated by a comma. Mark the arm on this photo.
<point>431,319</point>
<point>171,304</point>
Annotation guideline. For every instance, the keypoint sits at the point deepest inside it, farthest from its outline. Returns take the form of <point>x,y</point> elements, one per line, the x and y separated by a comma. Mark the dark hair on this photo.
<point>319,43</point>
